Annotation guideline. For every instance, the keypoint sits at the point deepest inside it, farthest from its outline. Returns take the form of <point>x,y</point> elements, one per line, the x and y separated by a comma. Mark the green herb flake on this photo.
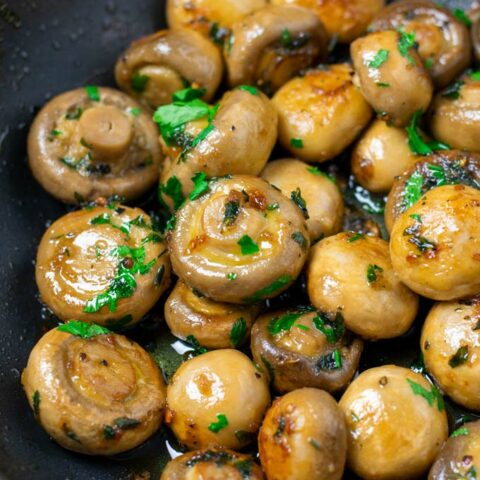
<point>280,283</point>
<point>218,33</point>
<point>296,142</point>
<point>320,173</point>
<point>453,91</point>
<point>135,111</point>
<point>249,89</point>
<point>416,217</point>
<point>314,443</point>
<point>372,271</point>
<point>383,85</point>
<point>93,93</point>
<point>459,357</point>
<point>238,332</point>
<point>109,432</point>
<point>299,238</point>
<point>380,58</point>
<point>173,189</point>
<point>248,246</point>
<point>302,327</point>
<point>139,82</point>
<point>415,141</point>
<point>83,329</point>
<point>413,189</point>
<point>220,424</point>
<point>331,361</point>
<point>471,474</point>
<point>197,348</point>
<point>428,64</point>
<point>475,76</point>
<point>461,15</point>
<point>459,432</point>
<point>406,42</point>
<point>74,114</point>
<point>125,423</point>
<point>273,206</point>
<point>333,330</point>
<point>201,185</point>
<point>55,133</point>
<point>297,198</point>
<point>431,396</point>
<point>232,209</point>
<point>283,323</point>
<point>355,237</point>
<point>36,402</point>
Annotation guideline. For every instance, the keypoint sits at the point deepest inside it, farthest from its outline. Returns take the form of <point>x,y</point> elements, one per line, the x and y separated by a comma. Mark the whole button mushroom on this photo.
<point>322,196</point>
<point>353,273</point>
<point>217,399</point>
<point>475,32</point>
<point>439,168</point>
<point>381,155</point>
<point>391,75</point>
<point>94,142</point>
<point>303,437</point>
<point>455,114</point>
<point>212,464</point>
<point>242,241</point>
<point>93,391</point>
<point>344,20</point>
<point>321,113</point>
<point>153,68</point>
<point>443,41</point>
<point>435,246</point>
<point>269,46</point>
<point>213,324</point>
<point>396,424</point>
<point>102,264</point>
<point>450,349</point>
<point>305,348</point>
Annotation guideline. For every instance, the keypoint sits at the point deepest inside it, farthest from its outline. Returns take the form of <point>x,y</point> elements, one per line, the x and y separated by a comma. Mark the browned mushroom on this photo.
<point>94,142</point>
<point>443,41</point>
<point>475,31</point>
<point>155,67</point>
<point>269,46</point>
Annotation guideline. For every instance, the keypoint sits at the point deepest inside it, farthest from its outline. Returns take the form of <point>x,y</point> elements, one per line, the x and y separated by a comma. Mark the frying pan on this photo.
<point>47,47</point>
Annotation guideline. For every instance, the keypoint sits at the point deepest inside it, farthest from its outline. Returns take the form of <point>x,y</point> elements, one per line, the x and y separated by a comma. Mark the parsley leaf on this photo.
<point>93,93</point>
<point>220,424</point>
<point>296,142</point>
<point>283,323</point>
<point>453,91</point>
<point>248,246</point>
<point>173,189</point>
<point>197,348</point>
<point>249,89</point>
<point>406,42</point>
<point>331,361</point>
<point>413,189</point>
<point>433,396</point>
<point>462,431</point>
<point>320,173</point>
<point>83,329</point>
<point>232,276</point>
<point>297,198</point>
<point>135,111</point>
<point>293,42</point>
<point>299,238</point>
<point>139,82</point>
<point>333,330</point>
<point>415,141</point>
<point>380,58</point>
<point>460,357</point>
<point>372,273</point>
<point>355,237</point>
<point>383,85</point>
<point>36,402</point>
<point>232,209</point>
<point>461,15</point>
<point>271,289</point>
<point>238,332</point>
<point>200,182</point>
<point>475,76</point>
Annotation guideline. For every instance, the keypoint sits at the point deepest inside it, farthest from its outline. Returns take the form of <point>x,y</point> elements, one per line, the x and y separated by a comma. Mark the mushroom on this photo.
<point>213,324</point>
<point>391,75</point>
<point>240,138</point>
<point>443,41</point>
<point>451,166</point>
<point>269,46</point>
<point>455,114</point>
<point>303,437</point>
<point>156,66</point>
<point>381,155</point>
<point>305,348</point>
<point>460,454</point>
<point>214,463</point>
<point>93,391</point>
<point>435,244</point>
<point>353,273</point>
<point>322,196</point>
<point>396,424</point>
<point>102,264</point>
<point>93,142</point>
<point>217,399</point>
<point>451,351</point>
<point>475,32</point>
<point>241,228</point>
<point>344,20</point>
<point>321,113</point>
<point>212,18</point>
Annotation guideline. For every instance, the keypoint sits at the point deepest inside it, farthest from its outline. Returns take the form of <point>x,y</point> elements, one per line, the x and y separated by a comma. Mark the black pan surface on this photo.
<point>47,47</point>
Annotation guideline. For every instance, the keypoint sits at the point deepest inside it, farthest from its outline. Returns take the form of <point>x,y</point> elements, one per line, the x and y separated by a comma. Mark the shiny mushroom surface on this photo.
<point>103,264</point>
<point>344,20</point>
<point>303,437</point>
<point>212,464</point>
<point>475,32</point>
<point>156,66</point>
<point>321,113</point>
<point>451,349</point>
<point>443,41</point>
<point>217,399</point>
<point>212,324</point>
<point>391,75</point>
<point>95,393</point>
<point>435,246</point>
<point>94,142</point>
<point>353,273</point>
<point>322,195</point>
<point>305,348</point>
<point>381,155</point>
<point>460,454</point>
<point>269,46</point>
<point>396,424</point>
<point>243,228</point>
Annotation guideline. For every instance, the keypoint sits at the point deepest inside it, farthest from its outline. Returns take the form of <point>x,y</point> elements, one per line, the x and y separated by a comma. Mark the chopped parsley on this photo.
<point>172,189</point>
<point>333,330</point>
<point>139,82</point>
<point>232,209</point>
<point>197,348</point>
<point>296,142</point>
<point>83,329</point>
<point>372,271</point>
<point>299,238</point>
<point>135,111</point>
<point>406,42</point>
<point>475,76</point>
<point>238,332</point>
<point>331,361</point>
<point>232,276</point>
<point>283,323</point>
<point>248,246</point>
<point>125,423</point>
<point>220,424</point>
<point>413,189</point>
<point>461,15</point>
<point>218,34</point>
<point>293,42</point>
<point>415,141</point>
<point>36,402</point>
<point>297,198</point>
<point>320,173</point>
<point>55,133</point>
<point>249,89</point>
<point>462,431</point>
<point>201,185</point>
<point>74,114</point>
<point>380,58</point>
<point>416,217</point>
<point>383,85</point>
<point>106,219</point>
<point>453,91</point>
<point>355,237</point>
<point>93,93</point>
<point>431,396</point>
<point>459,357</point>
<point>280,283</point>
<point>273,206</point>
<point>428,64</point>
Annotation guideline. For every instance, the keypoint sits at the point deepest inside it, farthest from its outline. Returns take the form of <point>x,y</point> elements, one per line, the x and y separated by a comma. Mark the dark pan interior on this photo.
<point>47,47</point>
